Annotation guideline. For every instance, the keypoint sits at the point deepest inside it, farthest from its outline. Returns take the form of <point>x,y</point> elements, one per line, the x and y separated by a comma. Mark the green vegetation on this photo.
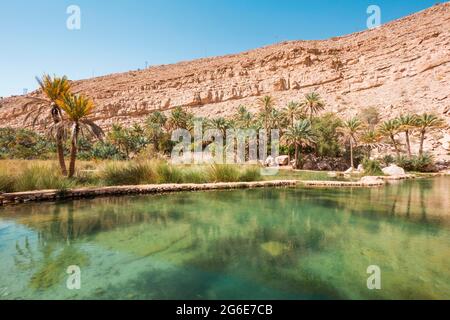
<point>372,167</point>
<point>303,131</point>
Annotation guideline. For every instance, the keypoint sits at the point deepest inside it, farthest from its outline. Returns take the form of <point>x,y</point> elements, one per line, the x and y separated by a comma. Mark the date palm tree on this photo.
<point>390,129</point>
<point>350,130</point>
<point>427,121</point>
<point>78,108</point>
<point>313,104</point>
<point>53,89</point>
<point>243,118</point>
<point>301,133</point>
<point>371,140</point>
<point>266,105</point>
<point>293,112</point>
<point>179,119</point>
<point>220,124</point>
<point>407,123</point>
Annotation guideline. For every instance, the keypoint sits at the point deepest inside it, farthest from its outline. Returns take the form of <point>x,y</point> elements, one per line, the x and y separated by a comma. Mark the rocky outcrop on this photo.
<point>394,170</point>
<point>399,67</point>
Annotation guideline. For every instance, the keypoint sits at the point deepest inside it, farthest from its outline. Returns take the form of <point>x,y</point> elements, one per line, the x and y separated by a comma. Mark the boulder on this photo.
<point>371,180</point>
<point>394,170</point>
<point>270,161</point>
<point>282,160</point>
<point>349,170</point>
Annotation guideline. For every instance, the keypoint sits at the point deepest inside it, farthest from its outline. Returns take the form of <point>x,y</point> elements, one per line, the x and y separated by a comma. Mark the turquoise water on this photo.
<point>288,243</point>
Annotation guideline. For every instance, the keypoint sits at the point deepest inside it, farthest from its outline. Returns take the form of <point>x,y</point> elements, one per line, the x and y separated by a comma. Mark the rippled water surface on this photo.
<point>245,244</point>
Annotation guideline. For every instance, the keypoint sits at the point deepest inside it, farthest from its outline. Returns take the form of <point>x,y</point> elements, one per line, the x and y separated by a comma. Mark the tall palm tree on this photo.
<point>299,134</point>
<point>53,89</point>
<point>266,105</point>
<point>154,127</point>
<point>350,130</point>
<point>77,109</point>
<point>407,123</point>
<point>390,129</point>
<point>292,112</point>
<point>427,121</point>
<point>313,104</point>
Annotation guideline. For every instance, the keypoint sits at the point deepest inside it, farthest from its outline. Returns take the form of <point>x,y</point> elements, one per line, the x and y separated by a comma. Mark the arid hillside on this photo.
<point>403,66</point>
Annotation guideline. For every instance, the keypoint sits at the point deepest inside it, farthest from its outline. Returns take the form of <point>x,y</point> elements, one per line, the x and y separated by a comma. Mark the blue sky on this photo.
<point>120,35</point>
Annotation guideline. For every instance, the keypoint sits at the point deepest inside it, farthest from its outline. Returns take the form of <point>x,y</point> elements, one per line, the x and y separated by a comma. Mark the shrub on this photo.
<point>388,160</point>
<point>372,167</point>
<point>195,176</point>
<point>423,163</point>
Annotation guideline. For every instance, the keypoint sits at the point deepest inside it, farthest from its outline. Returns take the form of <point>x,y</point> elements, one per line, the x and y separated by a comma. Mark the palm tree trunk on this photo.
<point>395,145</point>
<point>408,144</point>
<point>351,153</point>
<point>296,156</point>
<point>422,139</point>
<point>60,151</point>
<point>73,152</point>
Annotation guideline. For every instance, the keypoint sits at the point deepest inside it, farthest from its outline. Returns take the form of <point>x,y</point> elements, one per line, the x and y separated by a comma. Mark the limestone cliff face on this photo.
<point>403,66</point>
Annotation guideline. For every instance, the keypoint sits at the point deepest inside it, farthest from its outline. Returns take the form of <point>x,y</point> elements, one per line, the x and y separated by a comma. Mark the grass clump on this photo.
<point>41,177</point>
<point>372,167</point>
<point>250,174</point>
<point>127,173</point>
<point>6,183</point>
<point>168,173</point>
<point>223,173</point>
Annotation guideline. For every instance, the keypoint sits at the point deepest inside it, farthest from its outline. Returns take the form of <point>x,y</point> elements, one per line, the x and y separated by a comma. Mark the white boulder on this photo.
<point>394,170</point>
<point>282,160</point>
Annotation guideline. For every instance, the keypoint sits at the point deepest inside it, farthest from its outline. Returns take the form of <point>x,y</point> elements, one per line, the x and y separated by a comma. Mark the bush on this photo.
<point>372,167</point>
<point>195,176</point>
<point>387,160</point>
<point>423,163</point>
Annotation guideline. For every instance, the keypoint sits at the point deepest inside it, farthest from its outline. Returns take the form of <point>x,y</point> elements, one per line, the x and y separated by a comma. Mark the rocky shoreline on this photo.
<point>86,193</point>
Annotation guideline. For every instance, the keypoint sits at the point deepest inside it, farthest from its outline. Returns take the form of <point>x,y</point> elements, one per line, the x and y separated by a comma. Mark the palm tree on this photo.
<point>292,112</point>
<point>390,129</point>
<point>299,134</point>
<point>179,119</point>
<point>154,127</point>
<point>220,124</point>
<point>427,121</point>
<point>266,105</point>
<point>54,89</point>
<point>78,108</point>
<point>243,118</point>
<point>350,130</point>
<point>313,104</point>
<point>406,124</point>
<point>371,140</point>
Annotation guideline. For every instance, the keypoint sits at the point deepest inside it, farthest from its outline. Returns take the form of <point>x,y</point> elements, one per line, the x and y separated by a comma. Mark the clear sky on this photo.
<point>120,35</point>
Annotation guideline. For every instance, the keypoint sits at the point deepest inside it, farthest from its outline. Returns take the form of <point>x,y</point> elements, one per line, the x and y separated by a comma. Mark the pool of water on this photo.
<point>288,243</point>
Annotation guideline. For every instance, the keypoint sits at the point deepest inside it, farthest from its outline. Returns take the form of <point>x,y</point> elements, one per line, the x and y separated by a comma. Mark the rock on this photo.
<point>371,180</point>
<point>394,170</point>
<point>360,168</point>
<point>282,160</point>
<point>332,174</point>
<point>270,162</point>
<point>349,170</point>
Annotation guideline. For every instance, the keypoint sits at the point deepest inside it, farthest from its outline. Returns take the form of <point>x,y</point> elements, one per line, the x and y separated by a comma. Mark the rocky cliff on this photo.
<point>403,66</point>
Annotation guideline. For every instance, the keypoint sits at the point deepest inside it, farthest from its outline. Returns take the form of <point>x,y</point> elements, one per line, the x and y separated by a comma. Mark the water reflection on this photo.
<point>268,243</point>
